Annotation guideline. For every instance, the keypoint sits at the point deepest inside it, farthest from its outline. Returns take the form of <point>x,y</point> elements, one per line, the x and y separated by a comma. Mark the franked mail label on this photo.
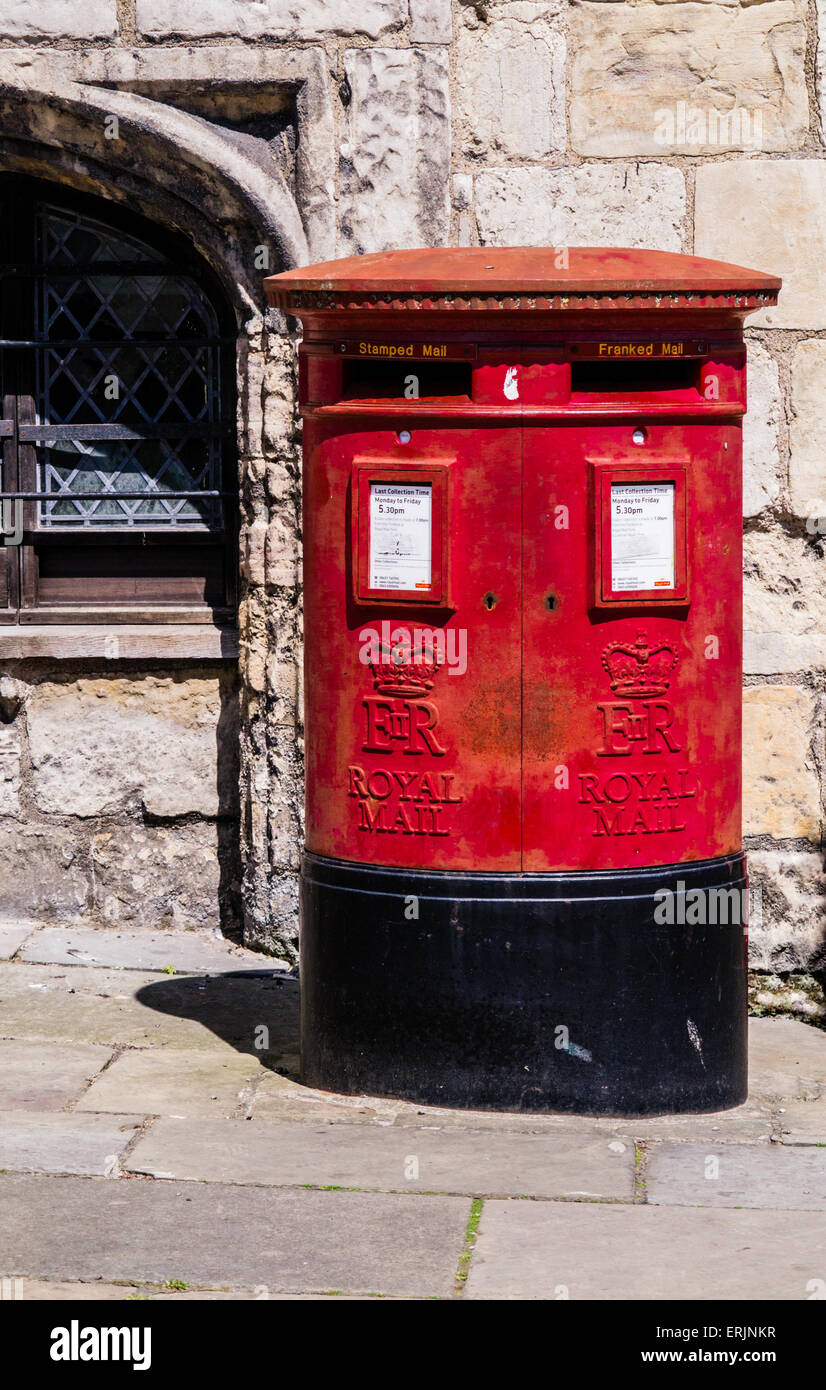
<point>400,535</point>
<point>642,536</point>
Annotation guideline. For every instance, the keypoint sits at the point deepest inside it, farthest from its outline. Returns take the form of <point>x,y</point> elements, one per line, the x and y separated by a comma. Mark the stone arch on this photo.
<point>178,168</point>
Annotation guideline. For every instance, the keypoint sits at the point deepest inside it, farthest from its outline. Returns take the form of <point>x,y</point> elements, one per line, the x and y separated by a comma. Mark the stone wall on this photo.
<point>119,795</point>
<point>686,126</point>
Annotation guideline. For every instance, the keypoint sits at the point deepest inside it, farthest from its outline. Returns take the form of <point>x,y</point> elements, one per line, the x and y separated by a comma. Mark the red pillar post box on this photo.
<point>524,883</point>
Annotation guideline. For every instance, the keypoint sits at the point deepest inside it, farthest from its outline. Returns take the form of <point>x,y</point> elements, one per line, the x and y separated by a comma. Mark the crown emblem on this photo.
<point>396,674</point>
<point>638,670</point>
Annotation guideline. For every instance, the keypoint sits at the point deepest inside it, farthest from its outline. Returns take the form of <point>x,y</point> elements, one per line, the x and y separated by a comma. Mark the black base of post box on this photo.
<point>593,993</point>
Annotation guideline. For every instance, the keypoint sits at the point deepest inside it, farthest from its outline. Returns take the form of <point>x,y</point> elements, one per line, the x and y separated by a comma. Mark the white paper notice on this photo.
<point>642,536</point>
<point>400,535</point>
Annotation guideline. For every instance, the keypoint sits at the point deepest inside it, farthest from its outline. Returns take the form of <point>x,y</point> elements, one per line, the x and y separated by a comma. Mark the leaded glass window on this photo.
<point>116,351</point>
<point>125,345</point>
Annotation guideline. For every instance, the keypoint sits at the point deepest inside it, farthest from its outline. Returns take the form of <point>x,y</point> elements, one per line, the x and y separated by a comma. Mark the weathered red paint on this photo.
<point>591,728</point>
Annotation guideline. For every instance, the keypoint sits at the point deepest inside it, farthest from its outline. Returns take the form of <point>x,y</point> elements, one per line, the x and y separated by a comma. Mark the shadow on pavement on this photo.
<point>255,1011</point>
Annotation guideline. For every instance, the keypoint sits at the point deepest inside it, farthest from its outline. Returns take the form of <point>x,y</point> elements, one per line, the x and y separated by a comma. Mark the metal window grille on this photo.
<point>127,383</point>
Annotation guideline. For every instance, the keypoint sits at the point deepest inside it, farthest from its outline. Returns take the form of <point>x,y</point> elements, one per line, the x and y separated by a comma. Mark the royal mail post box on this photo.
<point>524,884</point>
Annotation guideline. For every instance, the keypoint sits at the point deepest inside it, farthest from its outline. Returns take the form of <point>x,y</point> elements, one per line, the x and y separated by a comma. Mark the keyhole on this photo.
<point>551,602</point>
<point>490,601</point>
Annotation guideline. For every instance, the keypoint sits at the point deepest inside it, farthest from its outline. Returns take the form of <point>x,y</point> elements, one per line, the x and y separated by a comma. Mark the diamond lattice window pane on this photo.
<point>135,365</point>
<point>110,468</point>
<point>69,239</point>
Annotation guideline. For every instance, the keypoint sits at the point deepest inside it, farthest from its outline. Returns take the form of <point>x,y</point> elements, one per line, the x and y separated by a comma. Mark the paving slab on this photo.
<point>746,1124</point>
<point>47,1291</point>
<point>230,1237</point>
<point>787,1059</point>
<point>39,1075</point>
<point>689,1175</point>
<point>572,1164</point>
<point>258,1295</point>
<point>583,1250</point>
<point>140,1008</point>
<point>281,1098</point>
<point>802,1122</point>
<point>64,1143</point>
<point>165,1081</point>
<point>95,1291</point>
<point>44,1290</point>
<point>186,951</point>
<point>13,936</point>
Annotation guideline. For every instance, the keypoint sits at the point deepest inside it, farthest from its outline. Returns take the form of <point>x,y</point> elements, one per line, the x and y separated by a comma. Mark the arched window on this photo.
<point>116,369</point>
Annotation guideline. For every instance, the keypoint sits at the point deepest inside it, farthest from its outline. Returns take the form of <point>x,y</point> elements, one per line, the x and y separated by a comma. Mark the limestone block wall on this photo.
<point>119,795</point>
<point>694,125</point>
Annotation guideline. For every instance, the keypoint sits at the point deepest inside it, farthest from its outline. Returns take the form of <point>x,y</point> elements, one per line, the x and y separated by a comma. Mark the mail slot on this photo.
<point>392,381</point>
<point>635,380</point>
<point>524,884</point>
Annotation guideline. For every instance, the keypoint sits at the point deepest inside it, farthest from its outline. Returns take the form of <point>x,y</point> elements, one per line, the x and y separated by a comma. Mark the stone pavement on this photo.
<point>155,1143</point>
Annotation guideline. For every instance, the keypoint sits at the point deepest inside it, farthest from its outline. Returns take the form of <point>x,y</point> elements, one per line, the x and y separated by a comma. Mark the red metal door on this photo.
<point>400,775</point>
<point>631,716</point>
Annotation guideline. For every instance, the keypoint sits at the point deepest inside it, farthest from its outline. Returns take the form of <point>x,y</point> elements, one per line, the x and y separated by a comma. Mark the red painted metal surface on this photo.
<point>520,271</point>
<point>525,714</point>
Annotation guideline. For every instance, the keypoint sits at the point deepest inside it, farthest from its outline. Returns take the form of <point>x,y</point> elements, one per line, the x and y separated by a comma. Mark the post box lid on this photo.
<point>480,276</point>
